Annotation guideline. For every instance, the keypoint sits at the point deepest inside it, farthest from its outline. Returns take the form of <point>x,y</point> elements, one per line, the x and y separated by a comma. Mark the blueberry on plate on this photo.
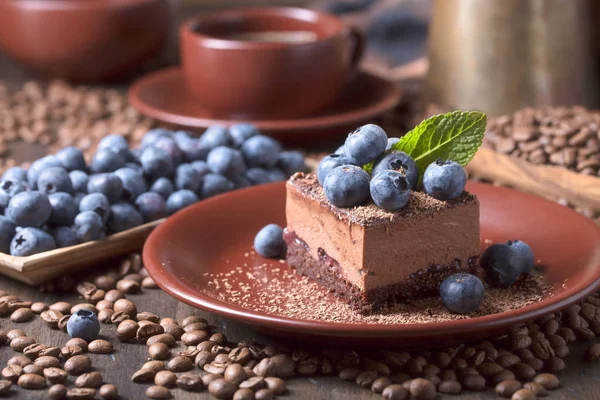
<point>98,203</point>
<point>241,132</point>
<point>523,255</point>
<point>276,175</point>
<point>339,150</point>
<point>398,161</point>
<point>156,163</point>
<point>29,209</point>
<point>241,182</point>
<point>79,181</point>
<point>71,158</point>
<point>169,145</point>
<point>214,184</point>
<point>64,209</point>
<point>187,177</point>
<point>365,144</point>
<point>9,186</point>
<point>64,236</point>
<point>152,135</point>
<point>444,180</point>
<point>214,136</point>
<point>261,151</point>
<point>108,184</point>
<point>462,293</point>
<point>123,216</point>
<point>107,160</point>
<point>16,173</point>
<point>54,179</point>
<point>269,242</point>
<point>7,231</point>
<point>190,151</point>
<point>330,162</point>
<point>152,206</point>
<point>291,162</point>
<point>258,176</point>
<point>225,161</point>
<point>498,261</point>
<point>390,190</point>
<point>83,324</point>
<point>29,241</point>
<point>347,186</point>
<point>38,166</point>
<point>391,141</point>
<point>162,186</point>
<point>88,226</point>
<point>115,142</point>
<point>180,200</point>
<point>133,183</point>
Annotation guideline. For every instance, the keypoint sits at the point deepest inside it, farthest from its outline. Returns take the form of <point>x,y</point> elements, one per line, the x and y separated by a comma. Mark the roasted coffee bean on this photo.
<point>447,375</point>
<point>128,286</point>
<point>264,394</point>
<point>104,282</point>
<point>554,364</point>
<point>507,388</point>
<point>114,295</point>
<point>450,387</point>
<point>535,363</point>
<point>148,330</point>
<point>215,368</point>
<point>154,365</point>
<point>584,334</point>
<point>85,287</point>
<point>203,358</point>
<point>133,277</point>
<point>77,365</point>
<point>243,394</point>
<point>38,307</point>
<point>78,342</point>
<point>414,368</point>
<point>196,326</point>
<point>51,318</point>
<point>395,392</point>
<point>467,371</point>
<point>422,389</point>
<point>174,330</point>
<point>3,337</point>
<point>548,381</point>
<point>15,333</point>
<point>158,392</point>
<point>70,351</point>
<point>308,367</point>
<point>366,378</point>
<point>380,384</point>
<point>127,330</point>
<point>5,387</point>
<point>192,319</point>
<point>277,385</point>
<point>12,372</point>
<point>104,305</point>
<point>488,369</point>
<point>520,342</point>
<point>62,306</point>
<point>458,363</point>
<point>89,380</point>
<point>108,392</point>
<point>475,383</point>
<point>31,382</point>
<point>592,353</point>
<point>235,374</point>
<point>33,350</point>
<point>507,360</point>
<point>55,375</point>
<point>189,381</point>
<point>14,305</point>
<point>148,283</point>
<point>219,339</point>
<point>523,394</point>
<point>84,306</point>
<point>143,375</point>
<point>21,315</point>
<point>221,389</point>
<point>33,369</point>
<point>21,361</point>
<point>4,310</point>
<point>165,338</point>
<point>536,388</point>
<point>94,296</point>
<point>57,392</point>
<point>126,306</point>
<point>523,371</point>
<point>62,323</point>
<point>240,355</point>
<point>47,362</point>
<point>193,338</point>
<point>567,334</point>
<point>165,378</point>
<point>180,364</point>
<point>159,351</point>
<point>100,346</point>
<point>147,316</point>
<point>20,343</point>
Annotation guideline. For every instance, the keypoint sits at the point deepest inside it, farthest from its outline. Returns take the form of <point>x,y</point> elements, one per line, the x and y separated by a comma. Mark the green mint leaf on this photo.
<point>454,136</point>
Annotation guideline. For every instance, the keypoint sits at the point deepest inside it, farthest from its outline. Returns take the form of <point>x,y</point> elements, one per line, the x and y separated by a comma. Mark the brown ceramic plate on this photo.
<point>216,235</point>
<point>162,95</point>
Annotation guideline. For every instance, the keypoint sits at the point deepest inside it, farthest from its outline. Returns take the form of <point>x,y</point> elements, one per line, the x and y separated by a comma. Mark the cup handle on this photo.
<point>358,46</point>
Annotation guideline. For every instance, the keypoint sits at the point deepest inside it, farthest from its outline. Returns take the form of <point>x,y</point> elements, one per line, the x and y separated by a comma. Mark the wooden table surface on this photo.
<point>580,381</point>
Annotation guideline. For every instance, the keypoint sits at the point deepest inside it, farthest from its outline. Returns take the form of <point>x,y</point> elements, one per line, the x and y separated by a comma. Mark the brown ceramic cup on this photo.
<point>271,63</point>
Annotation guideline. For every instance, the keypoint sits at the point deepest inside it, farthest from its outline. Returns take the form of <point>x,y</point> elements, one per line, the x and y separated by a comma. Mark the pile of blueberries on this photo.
<point>394,173</point>
<point>61,201</point>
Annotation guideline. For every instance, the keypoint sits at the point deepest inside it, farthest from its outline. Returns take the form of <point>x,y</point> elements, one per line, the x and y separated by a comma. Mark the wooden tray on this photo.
<point>38,268</point>
<point>544,180</point>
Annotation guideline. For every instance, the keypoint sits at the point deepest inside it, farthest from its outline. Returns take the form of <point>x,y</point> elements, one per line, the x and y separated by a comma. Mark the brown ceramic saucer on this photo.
<point>215,236</point>
<point>162,95</point>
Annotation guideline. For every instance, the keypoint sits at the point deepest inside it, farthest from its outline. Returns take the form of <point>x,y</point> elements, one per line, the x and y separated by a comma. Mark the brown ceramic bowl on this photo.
<point>271,63</point>
<point>83,40</point>
<point>216,235</point>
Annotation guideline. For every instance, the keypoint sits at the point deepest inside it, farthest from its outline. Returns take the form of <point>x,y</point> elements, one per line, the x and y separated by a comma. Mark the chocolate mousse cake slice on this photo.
<point>368,256</point>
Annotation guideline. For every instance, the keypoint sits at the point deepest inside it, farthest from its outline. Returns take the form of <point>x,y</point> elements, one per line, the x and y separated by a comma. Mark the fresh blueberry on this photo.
<point>291,162</point>
<point>123,216</point>
<point>64,209</point>
<point>134,155</point>
<point>498,261</point>
<point>276,175</point>
<point>162,186</point>
<point>29,209</point>
<point>134,166</point>
<point>10,187</point>
<point>98,203</point>
<point>115,142</point>
<point>79,180</point>
<point>180,200</point>
<point>150,137</point>
<point>4,200</point>
<point>462,293</point>
<point>83,324</point>
<point>156,163</point>
<point>261,151</point>
<point>77,197</point>
<point>241,182</point>
<point>523,255</point>
<point>108,184</point>
<point>258,176</point>
<point>88,226</point>
<point>390,190</point>
<point>64,236</point>
<point>398,161</point>
<point>15,173</point>
<point>152,206</point>
<point>187,177</point>
<point>214,184</point>
<point>168,144</point>
<point>190,150</point>
<point>38,166</point>
<point>201,167</point>
<point>339,150</point>
<point>29,241</point>
<point>225,161</point>
<point>391,141</point>
<point>328,163</point>
<point>71,159</point>
<point>107,160</point>
<point>53,180</point>
<point>133,183</point>
<point>214,136</point>
<point>242,132</point>
<point>347,186</point>
<point>444,180</point>
<point>7,231</point>
<point>365,144</point>
<point>269,242</point>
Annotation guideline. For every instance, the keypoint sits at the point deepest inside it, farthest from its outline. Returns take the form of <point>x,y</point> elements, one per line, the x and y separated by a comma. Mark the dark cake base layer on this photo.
<point>325,271</point>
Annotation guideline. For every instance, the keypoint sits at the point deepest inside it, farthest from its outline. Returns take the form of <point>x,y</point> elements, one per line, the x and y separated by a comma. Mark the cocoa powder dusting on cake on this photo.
<point>369,214</point>
<point>275,289</point>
